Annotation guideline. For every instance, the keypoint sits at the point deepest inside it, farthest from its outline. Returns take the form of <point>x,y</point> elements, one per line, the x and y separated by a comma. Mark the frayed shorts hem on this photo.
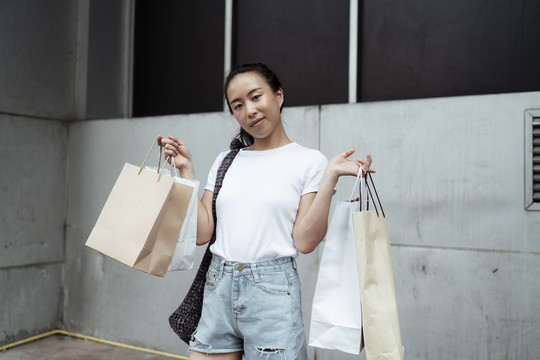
<point>207,349</point>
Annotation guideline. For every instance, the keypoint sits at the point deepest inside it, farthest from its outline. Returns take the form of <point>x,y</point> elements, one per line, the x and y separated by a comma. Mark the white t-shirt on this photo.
<point>257,204</point>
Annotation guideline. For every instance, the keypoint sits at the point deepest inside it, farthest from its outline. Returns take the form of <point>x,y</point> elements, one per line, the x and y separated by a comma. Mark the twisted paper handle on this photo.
<point>160,169</point>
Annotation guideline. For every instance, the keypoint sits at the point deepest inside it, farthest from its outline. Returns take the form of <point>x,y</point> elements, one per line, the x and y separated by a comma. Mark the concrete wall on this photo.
<point>32,218</point>
<point>52,63</point>
<point>38,65</point>
<point>466,253</point>
<point>38,58</point>
<point>450,174</point>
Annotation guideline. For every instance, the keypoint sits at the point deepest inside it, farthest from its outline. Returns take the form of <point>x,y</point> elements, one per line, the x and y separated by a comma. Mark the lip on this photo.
<point>256,122</point>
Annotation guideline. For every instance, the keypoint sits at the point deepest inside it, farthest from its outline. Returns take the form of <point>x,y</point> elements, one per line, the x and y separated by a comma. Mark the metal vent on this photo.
<point>532,159</point>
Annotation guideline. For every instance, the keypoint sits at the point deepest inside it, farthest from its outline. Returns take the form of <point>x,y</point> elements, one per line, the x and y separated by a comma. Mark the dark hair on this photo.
<point>243,139</point>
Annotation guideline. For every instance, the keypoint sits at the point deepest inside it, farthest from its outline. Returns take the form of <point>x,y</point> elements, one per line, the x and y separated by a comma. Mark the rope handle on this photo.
<point>160,168</point>
<point>376,195</point>
<point>369,193</point>
<point>359,177</point>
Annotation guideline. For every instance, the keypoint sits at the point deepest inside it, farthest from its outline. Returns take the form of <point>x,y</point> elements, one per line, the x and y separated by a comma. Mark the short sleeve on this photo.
<point>211,181</point>
<point>314,172</point>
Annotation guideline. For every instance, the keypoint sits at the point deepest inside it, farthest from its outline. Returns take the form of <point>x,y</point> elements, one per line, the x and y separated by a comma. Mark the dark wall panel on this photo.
<point>423,48</point>
<point>105,59</point>
<point>178,61</point>
<point>306,42</point>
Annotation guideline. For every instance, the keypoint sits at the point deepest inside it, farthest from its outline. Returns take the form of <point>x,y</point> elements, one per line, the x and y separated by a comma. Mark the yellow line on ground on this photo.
<point>30,339</point>
<point>94,339</point>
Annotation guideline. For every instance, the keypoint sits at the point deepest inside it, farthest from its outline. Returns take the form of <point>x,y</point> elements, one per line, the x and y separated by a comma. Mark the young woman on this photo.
<point>273,204</point>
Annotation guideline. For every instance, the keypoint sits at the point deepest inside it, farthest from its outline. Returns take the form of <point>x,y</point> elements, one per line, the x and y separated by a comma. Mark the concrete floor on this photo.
<point>59,347</point>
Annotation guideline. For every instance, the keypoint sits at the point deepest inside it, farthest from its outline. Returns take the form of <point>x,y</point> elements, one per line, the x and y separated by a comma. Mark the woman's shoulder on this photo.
<point>309,153</point>
<point>220,158</point>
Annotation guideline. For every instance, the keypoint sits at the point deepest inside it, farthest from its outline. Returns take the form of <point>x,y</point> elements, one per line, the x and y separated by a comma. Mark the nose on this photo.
<point>251,109</point>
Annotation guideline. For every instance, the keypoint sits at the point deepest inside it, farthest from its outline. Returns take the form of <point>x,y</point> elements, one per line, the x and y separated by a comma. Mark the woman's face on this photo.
<point>254,104</point>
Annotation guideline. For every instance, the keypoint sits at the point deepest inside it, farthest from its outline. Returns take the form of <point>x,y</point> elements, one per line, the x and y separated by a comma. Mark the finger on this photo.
<point>348,153</point>
<point>366,162</point>
<point>175,139</point>
<point>171,150</point>
<point>159,138</point>
<point>165,142</point>
<point>365,165</point>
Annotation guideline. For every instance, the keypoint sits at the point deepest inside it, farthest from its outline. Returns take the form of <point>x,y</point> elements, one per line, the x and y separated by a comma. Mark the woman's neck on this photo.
<point>276,140</point>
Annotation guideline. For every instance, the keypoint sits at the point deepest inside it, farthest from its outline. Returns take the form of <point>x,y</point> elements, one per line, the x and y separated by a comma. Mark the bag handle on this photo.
<point>360,178</point>
<point>173,165</point>
<point>369,193</point>
<point>368,175</point>
<point>160,169</point>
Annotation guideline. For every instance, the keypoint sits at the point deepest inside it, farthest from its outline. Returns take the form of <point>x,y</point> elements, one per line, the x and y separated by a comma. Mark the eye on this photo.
<point>256,97</point>
<point>237,106</point>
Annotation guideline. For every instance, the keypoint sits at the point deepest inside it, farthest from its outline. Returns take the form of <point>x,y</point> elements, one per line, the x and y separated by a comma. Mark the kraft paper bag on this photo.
<point>158,261</point>
<point>382,335</point>
<point>141,219</point>
<point>184,251</point>
<point>336,317</point>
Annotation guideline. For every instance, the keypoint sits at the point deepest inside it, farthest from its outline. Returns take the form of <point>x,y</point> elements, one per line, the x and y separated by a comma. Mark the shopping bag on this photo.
<point>382,335</point>
<point>138,225</point>
<point>336,317</point>
<point>184,251</point>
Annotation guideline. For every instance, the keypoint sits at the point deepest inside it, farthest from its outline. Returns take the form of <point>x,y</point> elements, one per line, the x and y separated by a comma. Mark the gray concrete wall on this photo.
<point>466,253</point>
<point>450,175</point>
<point>38,65</point>
<point>38,60</point>
<point>32,216</point>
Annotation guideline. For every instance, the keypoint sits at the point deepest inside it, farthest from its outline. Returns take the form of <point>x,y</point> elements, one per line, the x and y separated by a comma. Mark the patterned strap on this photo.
<point>227,161</point>
<point>186,317</point>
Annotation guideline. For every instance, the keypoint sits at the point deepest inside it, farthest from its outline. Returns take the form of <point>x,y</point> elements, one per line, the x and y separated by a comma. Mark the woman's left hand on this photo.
<point>339,165</point>
<point>312,217</point>
<point>366,164</point>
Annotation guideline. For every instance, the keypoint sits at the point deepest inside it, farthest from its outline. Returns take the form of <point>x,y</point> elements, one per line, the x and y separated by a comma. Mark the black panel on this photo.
<point>104,88</point>
<point>178,62</point>
<point>306,42</point>
<point>425,48</point>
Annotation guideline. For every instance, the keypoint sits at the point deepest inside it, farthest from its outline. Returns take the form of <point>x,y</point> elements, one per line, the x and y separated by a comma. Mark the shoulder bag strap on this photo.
<point>225,164</point>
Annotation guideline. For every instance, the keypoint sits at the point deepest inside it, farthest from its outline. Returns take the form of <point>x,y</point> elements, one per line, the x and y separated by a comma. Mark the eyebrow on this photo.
<point>248,94</point>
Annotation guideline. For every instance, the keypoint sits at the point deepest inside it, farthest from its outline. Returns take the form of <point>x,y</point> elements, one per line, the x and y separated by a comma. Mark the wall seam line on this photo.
<point>468,249</point>
<point>32,265</point>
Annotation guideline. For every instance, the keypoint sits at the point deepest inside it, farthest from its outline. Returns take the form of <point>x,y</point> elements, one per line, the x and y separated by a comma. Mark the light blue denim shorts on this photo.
<point>254,308</point>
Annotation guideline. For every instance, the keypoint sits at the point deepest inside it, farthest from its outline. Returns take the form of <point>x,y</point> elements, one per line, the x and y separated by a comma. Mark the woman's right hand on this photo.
<point>176,148</point>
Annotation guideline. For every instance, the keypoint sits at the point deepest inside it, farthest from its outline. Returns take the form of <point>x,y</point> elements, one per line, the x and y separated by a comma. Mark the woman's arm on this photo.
<point>205,219</point>
<point>312,217</point>
<point>175,147</point>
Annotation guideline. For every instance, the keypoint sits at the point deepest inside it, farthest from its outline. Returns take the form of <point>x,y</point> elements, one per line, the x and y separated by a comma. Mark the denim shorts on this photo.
<point>254,308</point>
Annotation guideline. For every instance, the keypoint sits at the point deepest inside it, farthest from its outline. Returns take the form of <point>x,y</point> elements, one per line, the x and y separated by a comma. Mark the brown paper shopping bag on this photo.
<point>141,220</point>
<point>382,335</point>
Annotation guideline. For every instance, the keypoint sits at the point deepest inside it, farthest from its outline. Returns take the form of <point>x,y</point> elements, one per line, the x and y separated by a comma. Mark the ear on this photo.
<point>280,96</point>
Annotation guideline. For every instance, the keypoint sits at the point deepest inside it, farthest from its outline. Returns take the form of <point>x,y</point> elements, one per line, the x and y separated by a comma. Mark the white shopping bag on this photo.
<point>336,318</point>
